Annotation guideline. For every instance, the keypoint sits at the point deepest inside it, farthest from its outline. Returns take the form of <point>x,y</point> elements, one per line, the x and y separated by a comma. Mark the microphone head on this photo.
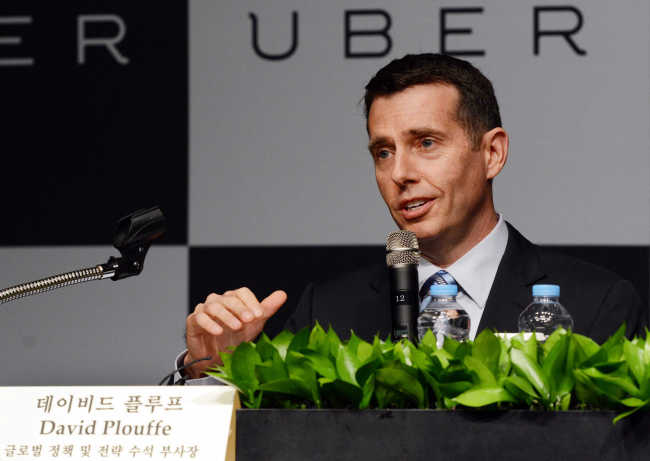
<point>402,248</point>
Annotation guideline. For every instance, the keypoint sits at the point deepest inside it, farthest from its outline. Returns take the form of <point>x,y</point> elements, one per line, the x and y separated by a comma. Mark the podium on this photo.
<point>376,435</point>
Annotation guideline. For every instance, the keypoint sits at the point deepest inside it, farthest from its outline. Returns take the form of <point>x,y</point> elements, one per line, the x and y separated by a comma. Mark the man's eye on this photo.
<point>382,154</point>
<point>426,143</point>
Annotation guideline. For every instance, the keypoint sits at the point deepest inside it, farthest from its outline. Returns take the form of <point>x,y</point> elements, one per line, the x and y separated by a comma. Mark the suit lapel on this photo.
<point>518,270</point>
<point>381,309</point>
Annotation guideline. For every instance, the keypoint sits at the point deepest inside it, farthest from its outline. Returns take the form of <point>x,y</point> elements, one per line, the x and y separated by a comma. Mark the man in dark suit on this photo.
<point>437,143</point>
<point>598,300</point>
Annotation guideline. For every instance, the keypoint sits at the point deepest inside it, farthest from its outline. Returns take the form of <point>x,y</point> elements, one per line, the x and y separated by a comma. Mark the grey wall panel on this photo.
<point>277,148</point>
<point>97,333</point>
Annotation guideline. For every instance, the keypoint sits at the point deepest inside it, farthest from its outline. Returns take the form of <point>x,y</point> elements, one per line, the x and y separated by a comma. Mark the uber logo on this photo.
<point>542,27</point>
<point>14,28</point>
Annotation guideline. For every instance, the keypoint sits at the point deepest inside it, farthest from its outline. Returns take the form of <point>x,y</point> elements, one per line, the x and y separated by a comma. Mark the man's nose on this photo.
<point>404,171</point>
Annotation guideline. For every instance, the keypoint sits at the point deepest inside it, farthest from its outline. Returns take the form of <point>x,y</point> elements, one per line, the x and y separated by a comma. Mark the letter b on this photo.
<point>383,32</point>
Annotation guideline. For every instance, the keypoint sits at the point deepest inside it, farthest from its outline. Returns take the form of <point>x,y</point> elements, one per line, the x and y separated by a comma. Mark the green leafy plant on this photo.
<point>315,369</point>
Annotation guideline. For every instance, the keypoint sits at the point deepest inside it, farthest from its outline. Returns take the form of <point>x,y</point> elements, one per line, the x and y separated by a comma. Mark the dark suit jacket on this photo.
<point>598,300</point>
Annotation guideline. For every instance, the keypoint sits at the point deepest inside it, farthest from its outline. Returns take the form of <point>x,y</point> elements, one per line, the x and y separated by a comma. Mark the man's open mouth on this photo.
<point>415,204</point>
<point>416,208</point>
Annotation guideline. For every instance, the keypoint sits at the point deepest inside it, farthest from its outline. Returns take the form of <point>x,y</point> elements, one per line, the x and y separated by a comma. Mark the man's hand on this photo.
<point>226,320</point>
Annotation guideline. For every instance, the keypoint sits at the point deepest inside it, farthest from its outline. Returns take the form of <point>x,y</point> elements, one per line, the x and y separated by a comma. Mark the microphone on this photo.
<point>133,237</point>
<point>402,255</point>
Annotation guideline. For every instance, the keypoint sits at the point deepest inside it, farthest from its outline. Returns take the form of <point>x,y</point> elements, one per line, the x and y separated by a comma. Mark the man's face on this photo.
<point>428,173</point>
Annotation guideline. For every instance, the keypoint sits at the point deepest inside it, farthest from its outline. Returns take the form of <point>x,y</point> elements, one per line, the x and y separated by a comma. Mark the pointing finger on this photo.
<point>273,302</point>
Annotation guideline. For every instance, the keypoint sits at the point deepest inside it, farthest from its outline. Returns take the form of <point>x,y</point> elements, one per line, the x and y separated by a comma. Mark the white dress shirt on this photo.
<point>474,272</point>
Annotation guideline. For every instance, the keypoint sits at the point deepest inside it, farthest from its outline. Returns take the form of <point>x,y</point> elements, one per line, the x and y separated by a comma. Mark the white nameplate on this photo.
<point>117,423</point>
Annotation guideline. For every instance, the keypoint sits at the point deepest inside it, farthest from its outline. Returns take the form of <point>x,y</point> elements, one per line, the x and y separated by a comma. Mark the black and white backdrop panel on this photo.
<point>242,121</point>
<point>94,126</point>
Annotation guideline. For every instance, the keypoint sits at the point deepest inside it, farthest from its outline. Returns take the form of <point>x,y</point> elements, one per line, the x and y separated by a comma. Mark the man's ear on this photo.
<point>494,147</point>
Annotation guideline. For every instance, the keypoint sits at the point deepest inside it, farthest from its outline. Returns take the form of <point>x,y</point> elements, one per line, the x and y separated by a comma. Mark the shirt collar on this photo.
<point>476,269</point>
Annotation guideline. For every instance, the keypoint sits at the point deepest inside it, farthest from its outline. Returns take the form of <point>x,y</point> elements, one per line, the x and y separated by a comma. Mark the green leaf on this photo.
<point>265,348</point>
<point>484,396</point>
<point>322,364</point>
<point>450,345</point>
<point>452,389</point>
<point>487,349</point>
<point>335,342</point>
<point>367,391</point>
<point>421,360</point>
<point>256,402</point>
<point>565,402</point>
<point>529,369</point>
<point>434,385</point>
<point>244,360</point>
<point>386,346</point>
<point>484,376</point>
<point>367,371</point>
<point>377,350</point>
<point>364,352</point>
<point>340,394</point>
<point>281,343</point>
<point>587,349</point>
<point>634,402</point>
<point>590,394</point>
<point>318,340</point>
<point>443,357</point>
<point>402,382</point>
<point>289,387</point>
<point>505,364</point>
<point>554,337</point>
<point>521,388</point>
<point>347,365</point>
<point>429,340</point>
<point>271,371</point>
<point>527,346</point>
<point>403,354</point>
<point>553,366</point>
<point>463,350</point>
<point>625,415</point>
<point>601,379</point>
<point>635,361</point>
<point>352,344</point>
<point>272,367</point>
<point>300,340</point>
<point>455,372</point>
<point>614,367</point>
<point>564,385</point>
<point>615,340</point>
<point>226,359</point>
<point>300,369</point>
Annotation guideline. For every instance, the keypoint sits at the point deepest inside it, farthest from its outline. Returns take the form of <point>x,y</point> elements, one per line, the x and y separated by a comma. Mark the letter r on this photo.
<point>108,42</point>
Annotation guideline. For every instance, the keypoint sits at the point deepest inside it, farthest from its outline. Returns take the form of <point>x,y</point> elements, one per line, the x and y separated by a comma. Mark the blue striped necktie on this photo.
<point>439,278</point>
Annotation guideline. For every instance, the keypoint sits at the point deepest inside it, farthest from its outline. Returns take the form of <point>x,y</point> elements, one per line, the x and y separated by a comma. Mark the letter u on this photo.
<point>280,56</point>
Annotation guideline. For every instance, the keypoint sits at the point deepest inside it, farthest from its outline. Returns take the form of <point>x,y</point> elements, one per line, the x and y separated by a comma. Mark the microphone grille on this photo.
<point>402,248</point>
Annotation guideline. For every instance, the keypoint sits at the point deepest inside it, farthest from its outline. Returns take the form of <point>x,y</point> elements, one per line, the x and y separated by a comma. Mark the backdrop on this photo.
<point>242,121</point>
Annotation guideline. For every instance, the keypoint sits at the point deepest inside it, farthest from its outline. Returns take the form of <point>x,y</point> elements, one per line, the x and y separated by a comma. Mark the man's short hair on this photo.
<point>477,111</point>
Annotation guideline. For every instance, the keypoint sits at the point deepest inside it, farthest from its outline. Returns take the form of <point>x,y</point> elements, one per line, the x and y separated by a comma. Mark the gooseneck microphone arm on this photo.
<point>133,237</point>
<point>88,274</point>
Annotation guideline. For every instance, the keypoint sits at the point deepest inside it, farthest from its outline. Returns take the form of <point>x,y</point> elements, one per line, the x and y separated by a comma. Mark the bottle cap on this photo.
<point>443,290</point>
<point>546,290</point>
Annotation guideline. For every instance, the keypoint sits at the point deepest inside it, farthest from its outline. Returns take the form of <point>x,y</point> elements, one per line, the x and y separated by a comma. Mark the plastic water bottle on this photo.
<point>545,313</point>
<point>443,315</point>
